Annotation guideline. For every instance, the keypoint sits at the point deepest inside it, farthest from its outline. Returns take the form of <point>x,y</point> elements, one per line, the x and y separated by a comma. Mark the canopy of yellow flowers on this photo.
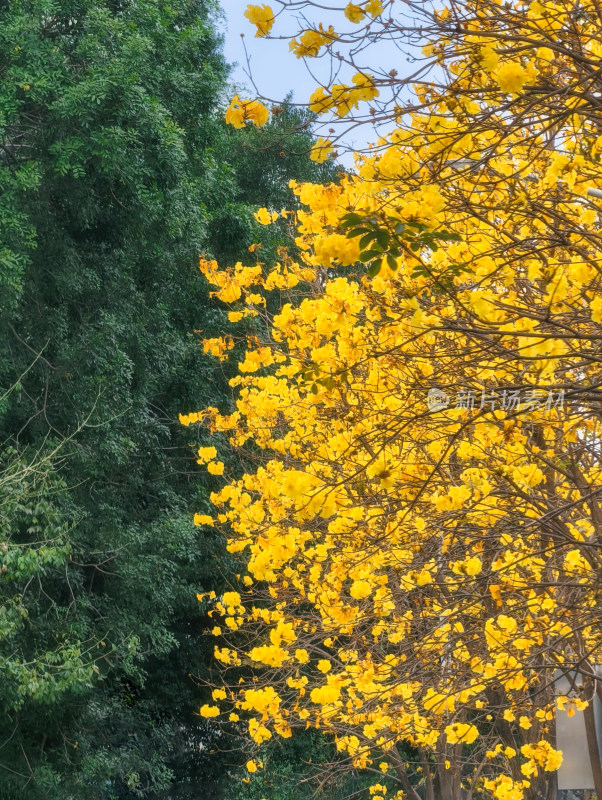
<point>423,526</point>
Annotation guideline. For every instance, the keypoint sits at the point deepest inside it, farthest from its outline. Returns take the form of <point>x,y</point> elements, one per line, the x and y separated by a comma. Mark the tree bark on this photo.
<point>411,793</point>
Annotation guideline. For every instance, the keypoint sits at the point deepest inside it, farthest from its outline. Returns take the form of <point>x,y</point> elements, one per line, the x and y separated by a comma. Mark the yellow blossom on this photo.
<point>354,13</point>
<point>265,217</point>
<point>242,111</point>
<point>461,732</point>
<point>321,150</point>
<point>262,17</point>
<point>209,711</point>
<point>511,76</point>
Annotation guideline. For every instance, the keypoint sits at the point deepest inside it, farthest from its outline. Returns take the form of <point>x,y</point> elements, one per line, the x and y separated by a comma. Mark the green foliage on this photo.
<point>260,163</point>
<point>304,767</point>
<point>35,522</point>
<point>384,238</point>
<point>116,172</point>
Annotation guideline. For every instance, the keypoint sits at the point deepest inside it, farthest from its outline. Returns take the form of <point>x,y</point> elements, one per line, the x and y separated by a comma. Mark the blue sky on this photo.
<point>275,71</point>
<point>274,68</point>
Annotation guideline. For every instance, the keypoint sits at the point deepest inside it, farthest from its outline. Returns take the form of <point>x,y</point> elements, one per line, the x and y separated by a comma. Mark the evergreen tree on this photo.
<point>116,172</point>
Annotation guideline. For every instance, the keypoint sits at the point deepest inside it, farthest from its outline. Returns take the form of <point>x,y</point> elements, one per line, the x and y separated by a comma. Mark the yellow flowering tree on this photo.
<point>423,523</point>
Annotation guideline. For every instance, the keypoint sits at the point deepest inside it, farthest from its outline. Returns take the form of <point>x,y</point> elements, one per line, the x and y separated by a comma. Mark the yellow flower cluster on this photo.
<point>357,12</point>
<point>262,17</point>
<point>321,150</point>
<point>342,98</point>
<point>311,41</point>
<point>265,217</point>
<point>355,528</point>
<point>242,111</point>
<point>418,570</point>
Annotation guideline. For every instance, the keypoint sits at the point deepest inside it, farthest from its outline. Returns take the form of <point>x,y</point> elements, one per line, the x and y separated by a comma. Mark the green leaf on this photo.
<point>447,236</point>
<point>351,220</point>
<point>369,237</point>
<point>368,255</point>
<point>383,237</point>
<point>392,263</point>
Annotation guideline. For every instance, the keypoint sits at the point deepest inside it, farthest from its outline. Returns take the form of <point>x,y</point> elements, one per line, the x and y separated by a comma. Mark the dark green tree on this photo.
<point>116,172</point>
